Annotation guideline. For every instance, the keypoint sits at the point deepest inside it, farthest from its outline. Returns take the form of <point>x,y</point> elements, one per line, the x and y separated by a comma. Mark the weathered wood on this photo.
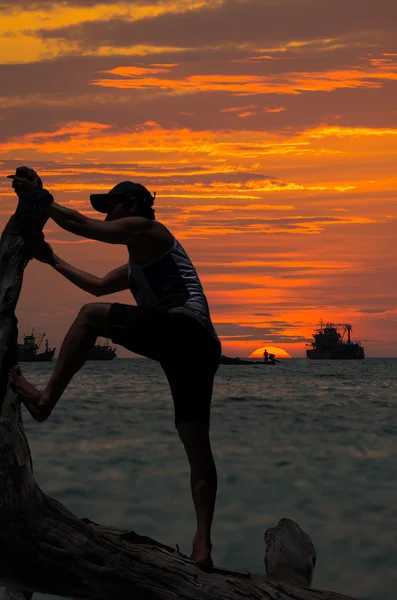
<point>45,548</point>
<point>290,554</point>
<point>20,236</point>
<point>11,594</point>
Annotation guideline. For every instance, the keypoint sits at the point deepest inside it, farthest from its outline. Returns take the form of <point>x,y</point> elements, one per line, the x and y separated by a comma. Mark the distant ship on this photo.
<point>328,344</point>
<point>29,350</point>
<point>102,352</point>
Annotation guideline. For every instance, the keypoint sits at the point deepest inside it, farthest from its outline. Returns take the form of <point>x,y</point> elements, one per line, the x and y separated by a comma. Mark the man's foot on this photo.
<point>202,555</point>
<point>29,394</point>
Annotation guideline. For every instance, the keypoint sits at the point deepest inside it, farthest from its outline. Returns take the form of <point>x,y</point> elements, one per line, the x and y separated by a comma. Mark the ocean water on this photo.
<point>315,441</point>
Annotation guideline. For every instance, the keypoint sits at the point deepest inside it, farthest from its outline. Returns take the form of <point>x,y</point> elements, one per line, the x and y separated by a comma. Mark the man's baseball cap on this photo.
<point>126,189</point>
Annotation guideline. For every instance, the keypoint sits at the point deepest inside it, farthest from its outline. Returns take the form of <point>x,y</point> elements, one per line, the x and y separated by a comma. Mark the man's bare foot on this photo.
<point>29,394</point>
<point>202,555</point>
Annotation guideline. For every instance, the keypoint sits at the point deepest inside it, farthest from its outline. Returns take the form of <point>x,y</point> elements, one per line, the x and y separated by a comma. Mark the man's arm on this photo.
<point>114,281</point>
<point>121,231</point>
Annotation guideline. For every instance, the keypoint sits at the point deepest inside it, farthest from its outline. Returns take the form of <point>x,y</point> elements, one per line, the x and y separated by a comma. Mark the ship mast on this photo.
<point>349,328</point>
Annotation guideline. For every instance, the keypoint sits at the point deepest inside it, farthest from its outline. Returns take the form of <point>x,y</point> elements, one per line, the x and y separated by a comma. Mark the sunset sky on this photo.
<point>267,128</point>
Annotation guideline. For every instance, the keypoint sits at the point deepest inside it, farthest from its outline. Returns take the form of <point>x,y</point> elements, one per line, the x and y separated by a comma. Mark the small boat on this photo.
<point>227,360</point>
<point>102,352</point>
<point>29,350</point>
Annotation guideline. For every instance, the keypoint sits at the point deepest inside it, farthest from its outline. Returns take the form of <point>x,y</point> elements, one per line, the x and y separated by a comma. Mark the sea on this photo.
<point>314,441</point>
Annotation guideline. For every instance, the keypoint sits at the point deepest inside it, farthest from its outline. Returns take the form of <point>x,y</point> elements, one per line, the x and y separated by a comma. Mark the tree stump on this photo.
<point>45,548</point>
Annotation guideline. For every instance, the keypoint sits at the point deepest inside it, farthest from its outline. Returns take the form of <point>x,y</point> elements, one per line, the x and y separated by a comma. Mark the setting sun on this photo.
<point>278,352</point>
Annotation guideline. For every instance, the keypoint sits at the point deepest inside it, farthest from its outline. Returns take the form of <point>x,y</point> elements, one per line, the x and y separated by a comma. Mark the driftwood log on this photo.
<point>45,548</point>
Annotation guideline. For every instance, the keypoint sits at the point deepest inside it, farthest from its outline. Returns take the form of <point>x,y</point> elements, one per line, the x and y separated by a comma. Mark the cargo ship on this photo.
<point>29,350</point>
<point>102,352</point>
<point>329,343</point>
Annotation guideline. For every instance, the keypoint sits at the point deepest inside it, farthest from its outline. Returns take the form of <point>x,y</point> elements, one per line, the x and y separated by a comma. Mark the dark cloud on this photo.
<point>68,75</point>
<point>291,339</point>
<point>272,333</point>
<point>239,22</point>
<point>375,311</point>
<point>94,173</point>
<point>233,285</point>
<point>285,271</point>
<point>51,4</point>
<point>125,109</point>
<point>310,225</point>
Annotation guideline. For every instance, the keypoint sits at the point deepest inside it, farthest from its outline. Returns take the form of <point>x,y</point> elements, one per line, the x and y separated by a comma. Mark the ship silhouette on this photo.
<point>28,351</point>
<point>328,343</point>
<point>102,352</point>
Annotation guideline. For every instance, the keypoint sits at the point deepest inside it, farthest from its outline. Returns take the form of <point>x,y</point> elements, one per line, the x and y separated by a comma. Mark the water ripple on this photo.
<point>315,441</point>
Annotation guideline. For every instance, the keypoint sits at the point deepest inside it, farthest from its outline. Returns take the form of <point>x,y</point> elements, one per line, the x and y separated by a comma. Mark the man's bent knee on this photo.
<point>86,313</point>
<point>96,316</point>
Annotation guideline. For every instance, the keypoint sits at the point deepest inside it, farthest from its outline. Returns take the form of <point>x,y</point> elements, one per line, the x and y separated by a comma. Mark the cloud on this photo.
<point>376,311</point>
<point>254,84</point>
<point>187,92</point>
<point>34,5</point>
<point>271,332</point>
<point>247,21</point>
<point>17,5</point>
<point>20,22</point>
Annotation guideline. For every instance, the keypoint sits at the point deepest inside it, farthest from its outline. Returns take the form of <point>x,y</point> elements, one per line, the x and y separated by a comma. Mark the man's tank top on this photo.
<point>171,284</point>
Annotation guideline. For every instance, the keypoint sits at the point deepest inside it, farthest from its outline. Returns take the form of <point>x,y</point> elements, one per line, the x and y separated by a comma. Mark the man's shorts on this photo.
<point>187,352</point>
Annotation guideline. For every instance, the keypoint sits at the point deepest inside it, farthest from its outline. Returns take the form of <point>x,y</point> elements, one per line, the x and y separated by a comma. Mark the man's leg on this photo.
<point>91,322</point>
<point>203,481</point>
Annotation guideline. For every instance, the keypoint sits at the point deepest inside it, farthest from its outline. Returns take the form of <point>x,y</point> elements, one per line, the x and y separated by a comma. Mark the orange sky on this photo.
<point>268,129</point>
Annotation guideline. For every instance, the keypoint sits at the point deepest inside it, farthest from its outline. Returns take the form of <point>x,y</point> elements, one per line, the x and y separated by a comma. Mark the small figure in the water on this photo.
<point>265,356</point>
<point>170,324</point>
<point>272,357</point>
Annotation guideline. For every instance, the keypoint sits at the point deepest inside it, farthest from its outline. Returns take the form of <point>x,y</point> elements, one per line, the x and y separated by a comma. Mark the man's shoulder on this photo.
<point>161,230</point>
<point>143,224</point>
<point>151,232</point>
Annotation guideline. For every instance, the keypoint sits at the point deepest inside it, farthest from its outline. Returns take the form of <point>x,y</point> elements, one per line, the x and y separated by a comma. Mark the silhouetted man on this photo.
<point>265,356</point>
<point>170,324</point>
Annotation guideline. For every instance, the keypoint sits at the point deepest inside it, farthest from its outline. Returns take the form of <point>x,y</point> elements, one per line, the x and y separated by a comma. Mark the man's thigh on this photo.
<point>188,354</point>
<point>191,388</point>
<point>138,329</point>
<point>190,368</point>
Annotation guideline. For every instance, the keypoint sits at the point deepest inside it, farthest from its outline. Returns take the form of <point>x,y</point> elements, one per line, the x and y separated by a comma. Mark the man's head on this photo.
<point>126,199</point>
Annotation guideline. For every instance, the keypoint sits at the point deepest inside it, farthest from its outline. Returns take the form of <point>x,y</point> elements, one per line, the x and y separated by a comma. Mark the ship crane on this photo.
<point>42,335</point>
<point>33,339</point>
<point>346,327</point>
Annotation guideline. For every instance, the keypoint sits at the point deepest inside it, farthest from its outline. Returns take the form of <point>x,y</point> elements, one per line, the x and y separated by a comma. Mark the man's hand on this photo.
<point>44,253</point>
<point>26,182</point>
<point>28,185</point>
